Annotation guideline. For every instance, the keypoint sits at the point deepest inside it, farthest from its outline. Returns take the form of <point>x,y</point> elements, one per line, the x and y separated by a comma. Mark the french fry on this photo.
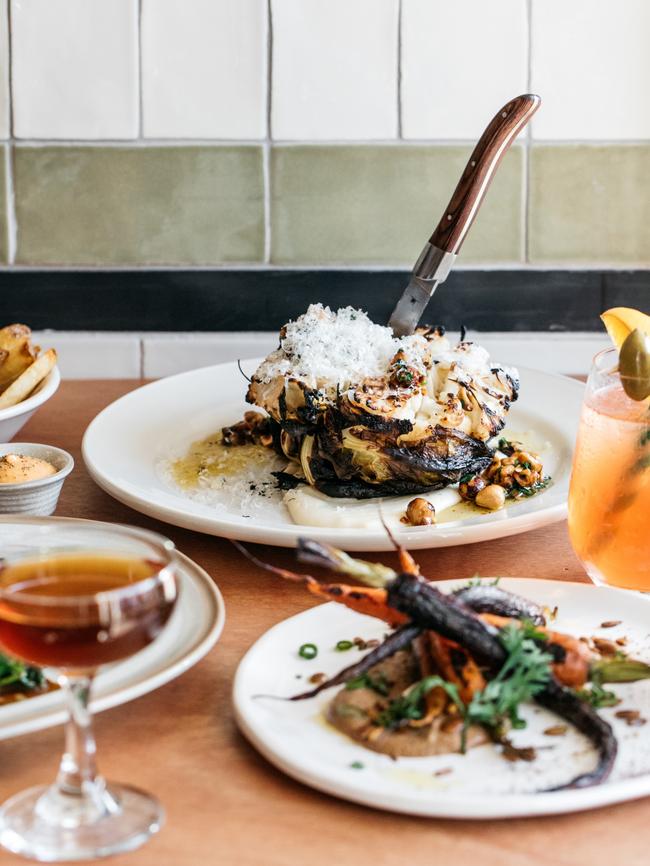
<point>16,353</point>
<point>28,380</point>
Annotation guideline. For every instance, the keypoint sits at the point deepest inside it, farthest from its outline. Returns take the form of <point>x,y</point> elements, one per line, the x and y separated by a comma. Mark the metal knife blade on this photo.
<point>430,270</point>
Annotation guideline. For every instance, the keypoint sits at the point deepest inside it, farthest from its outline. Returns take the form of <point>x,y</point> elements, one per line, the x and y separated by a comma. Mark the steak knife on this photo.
<point>439,254</point>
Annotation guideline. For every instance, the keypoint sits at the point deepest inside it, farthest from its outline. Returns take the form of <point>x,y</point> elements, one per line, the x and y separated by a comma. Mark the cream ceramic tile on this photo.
<point>167,354</point>
<point>5,130</point>
<point>589,203</point>
<point>591,65</point>
<point>84,355</point>
<point>460,62</point>
<point>376,205</point>
<point>161,205</point>
<point>204,68</point>
<point>75,68</point>
<point>334,69</point>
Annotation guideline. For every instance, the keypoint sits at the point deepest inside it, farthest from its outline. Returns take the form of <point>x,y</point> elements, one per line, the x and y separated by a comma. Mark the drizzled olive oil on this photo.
<point>210,458</point>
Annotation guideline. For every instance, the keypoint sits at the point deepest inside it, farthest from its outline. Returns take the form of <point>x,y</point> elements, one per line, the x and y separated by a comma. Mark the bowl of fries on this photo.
<point>28,378</point>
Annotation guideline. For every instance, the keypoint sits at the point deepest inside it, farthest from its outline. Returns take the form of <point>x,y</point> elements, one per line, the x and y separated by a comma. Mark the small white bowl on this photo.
<point>39,497</point>
<point>13,418</point>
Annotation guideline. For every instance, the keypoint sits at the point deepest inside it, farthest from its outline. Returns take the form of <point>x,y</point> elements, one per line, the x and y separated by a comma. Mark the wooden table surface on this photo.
<point>225,804</point>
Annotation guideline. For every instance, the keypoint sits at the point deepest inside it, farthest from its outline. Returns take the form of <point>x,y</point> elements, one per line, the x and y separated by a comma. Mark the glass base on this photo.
<point>43,824</point>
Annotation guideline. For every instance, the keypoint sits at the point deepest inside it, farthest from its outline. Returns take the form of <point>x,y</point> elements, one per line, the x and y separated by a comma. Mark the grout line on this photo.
<point>12,223</point>
<point>10,203</point>
<point>141,351</point>
<point>266,150</point>
<point>400,7</point>
<point>10,72</point>
<point>140,79</point>
<point>331,142</point>
<point>139,142</point>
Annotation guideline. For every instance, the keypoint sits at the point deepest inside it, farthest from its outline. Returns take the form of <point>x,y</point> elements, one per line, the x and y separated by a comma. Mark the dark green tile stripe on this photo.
<point>139,205</point>
<point>379,204</point>
<point>590,203</point>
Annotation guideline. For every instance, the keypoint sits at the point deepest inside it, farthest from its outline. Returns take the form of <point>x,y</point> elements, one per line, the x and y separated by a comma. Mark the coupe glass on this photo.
<point>609,497</point>
<point>74,595</point>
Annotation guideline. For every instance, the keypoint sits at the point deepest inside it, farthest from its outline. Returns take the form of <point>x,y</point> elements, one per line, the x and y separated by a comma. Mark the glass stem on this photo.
<point>78,769</point>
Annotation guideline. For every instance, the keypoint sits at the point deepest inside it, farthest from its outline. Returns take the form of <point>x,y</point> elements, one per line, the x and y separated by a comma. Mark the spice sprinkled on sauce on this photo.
<point>19,468</point>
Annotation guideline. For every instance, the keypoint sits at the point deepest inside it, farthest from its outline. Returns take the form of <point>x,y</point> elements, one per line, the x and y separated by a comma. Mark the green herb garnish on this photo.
<point>598,697</point>
<point>411,705</point>
<point>357,765</point>
<point>343,646</point>
<point>526,672</point>
<point>23,677</point>
<point>480,581</point>
<point>308,651</point>
<point>518,491</point>
<point>378,684</point>
<point>506,446</point>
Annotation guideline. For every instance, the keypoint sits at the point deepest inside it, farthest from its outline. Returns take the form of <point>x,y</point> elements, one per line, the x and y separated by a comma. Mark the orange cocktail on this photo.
<point>609,499</point>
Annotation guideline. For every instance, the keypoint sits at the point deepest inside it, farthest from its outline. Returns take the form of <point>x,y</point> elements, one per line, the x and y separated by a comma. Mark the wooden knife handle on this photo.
<point>479,171</point>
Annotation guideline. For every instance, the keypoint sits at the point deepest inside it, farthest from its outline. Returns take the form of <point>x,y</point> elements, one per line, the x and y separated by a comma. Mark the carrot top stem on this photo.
<point>318,553</point>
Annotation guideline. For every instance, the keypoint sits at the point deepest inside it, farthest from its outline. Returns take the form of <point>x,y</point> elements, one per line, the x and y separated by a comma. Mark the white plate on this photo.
<point>193,629</point>
<point>297,739</point>
<point>124,444</point>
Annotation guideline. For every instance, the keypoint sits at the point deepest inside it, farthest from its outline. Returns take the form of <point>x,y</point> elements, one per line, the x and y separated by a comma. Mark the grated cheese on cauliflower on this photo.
<point>326,349</point>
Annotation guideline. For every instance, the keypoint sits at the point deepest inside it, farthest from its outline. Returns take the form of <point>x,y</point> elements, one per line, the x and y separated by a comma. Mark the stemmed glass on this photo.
<point>609,497</point>
<point>75,595</point>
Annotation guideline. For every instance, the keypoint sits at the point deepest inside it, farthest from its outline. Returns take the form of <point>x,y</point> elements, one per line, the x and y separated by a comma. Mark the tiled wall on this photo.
<point>317,132</point>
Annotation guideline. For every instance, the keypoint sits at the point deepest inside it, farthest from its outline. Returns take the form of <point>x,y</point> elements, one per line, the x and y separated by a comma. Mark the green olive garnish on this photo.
<point>634,365</point>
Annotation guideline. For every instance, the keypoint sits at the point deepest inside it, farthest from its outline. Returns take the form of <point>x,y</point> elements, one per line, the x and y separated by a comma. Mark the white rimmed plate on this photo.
<point>124,445</point>
<point>193,629</point>
<point>295,737</point>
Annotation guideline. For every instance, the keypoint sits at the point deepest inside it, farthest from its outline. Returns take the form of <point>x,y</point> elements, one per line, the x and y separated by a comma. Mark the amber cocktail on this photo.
<point>609,499</point>
<point>75,595</point>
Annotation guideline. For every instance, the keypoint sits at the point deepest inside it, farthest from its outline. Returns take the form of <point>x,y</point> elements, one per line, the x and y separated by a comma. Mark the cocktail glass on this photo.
<point>76,595</point>
<point>609,497</point>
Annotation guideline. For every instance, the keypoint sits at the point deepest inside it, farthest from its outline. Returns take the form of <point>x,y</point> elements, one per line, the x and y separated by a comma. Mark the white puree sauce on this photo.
<point>312,508</point>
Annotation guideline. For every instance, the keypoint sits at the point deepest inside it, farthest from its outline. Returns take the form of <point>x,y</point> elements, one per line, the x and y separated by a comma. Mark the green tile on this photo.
<point>139,205</point>
<point>4,240</point>
<point>379,204</point>
<point>590,203</point>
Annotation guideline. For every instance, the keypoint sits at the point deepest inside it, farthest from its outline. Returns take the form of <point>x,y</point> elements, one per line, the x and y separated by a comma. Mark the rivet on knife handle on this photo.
<point>439,254</point>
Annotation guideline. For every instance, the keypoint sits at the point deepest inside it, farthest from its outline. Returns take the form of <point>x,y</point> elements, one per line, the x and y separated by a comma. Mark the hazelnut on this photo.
<point>469,489</point>
<point>492,497</point>
<point>420,512</point>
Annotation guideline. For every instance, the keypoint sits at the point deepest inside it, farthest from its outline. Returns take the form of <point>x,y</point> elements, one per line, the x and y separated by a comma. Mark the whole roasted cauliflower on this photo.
<point>360,413</point>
